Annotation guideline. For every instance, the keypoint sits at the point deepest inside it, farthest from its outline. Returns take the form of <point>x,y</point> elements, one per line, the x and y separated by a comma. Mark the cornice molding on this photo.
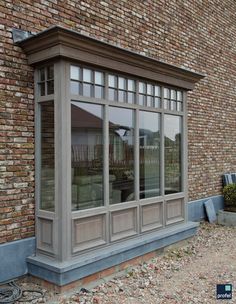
<point>60,42</point>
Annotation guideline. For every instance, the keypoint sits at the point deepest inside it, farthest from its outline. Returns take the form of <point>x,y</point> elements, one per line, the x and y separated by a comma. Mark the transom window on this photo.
<point>88,82</point>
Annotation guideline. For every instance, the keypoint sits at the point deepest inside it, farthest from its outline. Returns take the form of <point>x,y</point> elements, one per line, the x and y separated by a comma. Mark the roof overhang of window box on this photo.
<point>60,42</point>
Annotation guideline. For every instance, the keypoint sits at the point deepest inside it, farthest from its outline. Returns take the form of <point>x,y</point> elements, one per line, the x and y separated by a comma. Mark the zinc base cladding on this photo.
<point>67,272</point>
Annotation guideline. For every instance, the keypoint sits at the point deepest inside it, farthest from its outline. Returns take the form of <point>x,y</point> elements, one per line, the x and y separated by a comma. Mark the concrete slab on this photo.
<point>210,211</point>
<point>226,218</point>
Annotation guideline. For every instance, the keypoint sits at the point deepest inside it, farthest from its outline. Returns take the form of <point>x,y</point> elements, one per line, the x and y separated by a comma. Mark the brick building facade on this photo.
<point>195,35</point>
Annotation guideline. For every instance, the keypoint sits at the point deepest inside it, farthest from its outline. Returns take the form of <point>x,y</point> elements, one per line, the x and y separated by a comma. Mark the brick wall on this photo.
<point>191,34</point>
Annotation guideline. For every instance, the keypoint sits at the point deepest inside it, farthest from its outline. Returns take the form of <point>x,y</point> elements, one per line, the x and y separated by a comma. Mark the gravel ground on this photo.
<point>185,275</point>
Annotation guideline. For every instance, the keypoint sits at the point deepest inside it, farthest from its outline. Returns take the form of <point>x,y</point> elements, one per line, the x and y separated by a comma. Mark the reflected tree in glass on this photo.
<point>149,154</point>
<point>121,155</point>
<point>86,155</point>
<point>173,138</point>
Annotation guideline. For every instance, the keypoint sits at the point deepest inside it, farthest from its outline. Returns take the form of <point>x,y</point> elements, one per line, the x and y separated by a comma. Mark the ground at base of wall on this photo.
<point>187,274</point>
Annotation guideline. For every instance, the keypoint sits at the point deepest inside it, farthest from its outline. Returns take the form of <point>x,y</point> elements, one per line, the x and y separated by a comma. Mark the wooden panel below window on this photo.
<point>123,223</point>
<point>174,211</point>
<point>45,235</point>
<point>88,232</point>
<point>152,216</point>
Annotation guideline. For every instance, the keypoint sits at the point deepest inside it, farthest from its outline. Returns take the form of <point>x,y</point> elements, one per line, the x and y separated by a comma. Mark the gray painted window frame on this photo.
<point>63,217</point>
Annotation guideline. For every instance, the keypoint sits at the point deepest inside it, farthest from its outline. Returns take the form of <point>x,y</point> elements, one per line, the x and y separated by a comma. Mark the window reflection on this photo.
<point>86,155</point>
<point>173,137</point>
<point>121,155</point>
<point>149,154</point>
<point>47,172</point>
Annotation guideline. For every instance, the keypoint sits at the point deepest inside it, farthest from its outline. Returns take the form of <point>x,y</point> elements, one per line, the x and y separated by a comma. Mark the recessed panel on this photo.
<point>152,216</point>
<point>174,211</point>
<point>123,223</point>
<point>88,232</point>
<point>45,235</point>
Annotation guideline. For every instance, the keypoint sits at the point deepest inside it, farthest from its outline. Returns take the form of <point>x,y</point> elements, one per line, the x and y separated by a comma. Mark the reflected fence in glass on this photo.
<point>47,158</point>
<point>121,155</point>
<point>86,155</point>
<point>173,153</point>
<point>149,154</point>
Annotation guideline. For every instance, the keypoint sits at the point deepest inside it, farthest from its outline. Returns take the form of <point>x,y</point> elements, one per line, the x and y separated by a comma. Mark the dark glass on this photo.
<point>50,87</point>
<point>42,74</point>
<point>50,72</point>
<point>173,138</point>
<point>121,155</point>
<point>149,154</point>
<point>86,155</point>
<point>42,89</point>
<point>47,173</point>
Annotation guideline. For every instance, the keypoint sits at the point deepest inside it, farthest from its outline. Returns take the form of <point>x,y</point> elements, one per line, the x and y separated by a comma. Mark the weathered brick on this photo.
<point>191,34</point>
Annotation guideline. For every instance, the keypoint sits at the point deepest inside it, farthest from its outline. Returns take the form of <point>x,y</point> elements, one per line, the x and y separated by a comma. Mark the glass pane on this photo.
<point>131,85</point>
<point>173,138</point>
<point>74,72</point>
<point>141,99</point>
<point>157,102</point>
<point>112,94</point>
<point>173,94</point>
<point>99,92</point>
<point>74,87</point>
<point>121,155</point>
<point>47,178</point>
<point>112,81</point>
<point>173,105</point>
<point>87,90</point>
<point>157,91</point>
<point>86,155</point>
<point>122,96</point>
<point>179,106</point>
<point>166,93</point>
<point>42,89</point>
<point>50,87</point>
<point>99,79</point>
<point>149,89</point>
<point>149,101</point>
<point>42,74</point>
<point>87,75</point>
<point>149,151</point>
<point>121,83</point>
<point>50,72</point>
<point>179,96</point>
<point>131,97</point>
<point>142,87</point>
<point>166,104</point>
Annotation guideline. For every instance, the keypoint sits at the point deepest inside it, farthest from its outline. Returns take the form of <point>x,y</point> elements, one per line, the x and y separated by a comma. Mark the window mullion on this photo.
<point>136,154</point>
<point>162,148</point>
<point>106,156</point>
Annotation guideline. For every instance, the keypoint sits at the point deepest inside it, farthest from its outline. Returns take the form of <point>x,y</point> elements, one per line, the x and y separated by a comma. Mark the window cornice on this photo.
<point>60,42</point>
